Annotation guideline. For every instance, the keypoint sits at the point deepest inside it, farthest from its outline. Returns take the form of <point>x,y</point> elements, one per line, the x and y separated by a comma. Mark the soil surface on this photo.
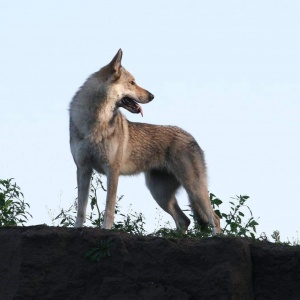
<point>42,262</point>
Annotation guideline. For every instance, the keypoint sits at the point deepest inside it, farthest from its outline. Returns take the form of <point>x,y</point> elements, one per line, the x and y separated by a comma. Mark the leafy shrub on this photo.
<point>277,239</point>
<point>132,223</point>
<point>12,205</point>
<point>236,222</point>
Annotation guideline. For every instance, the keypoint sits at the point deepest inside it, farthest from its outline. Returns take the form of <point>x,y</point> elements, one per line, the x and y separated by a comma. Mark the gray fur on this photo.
<point>101,138</point>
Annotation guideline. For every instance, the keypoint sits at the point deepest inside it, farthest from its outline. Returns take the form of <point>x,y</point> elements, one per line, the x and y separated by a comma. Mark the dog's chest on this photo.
<point>106,156</point>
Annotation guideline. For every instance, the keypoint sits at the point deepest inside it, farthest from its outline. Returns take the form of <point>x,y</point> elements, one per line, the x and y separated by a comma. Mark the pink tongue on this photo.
<point>141,111</point>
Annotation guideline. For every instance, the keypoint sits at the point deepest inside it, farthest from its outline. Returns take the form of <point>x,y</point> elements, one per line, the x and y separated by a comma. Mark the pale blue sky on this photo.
<point>226,71</point>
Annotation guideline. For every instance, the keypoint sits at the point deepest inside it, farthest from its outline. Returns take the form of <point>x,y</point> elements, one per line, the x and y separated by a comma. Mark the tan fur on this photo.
<point>101,138</point>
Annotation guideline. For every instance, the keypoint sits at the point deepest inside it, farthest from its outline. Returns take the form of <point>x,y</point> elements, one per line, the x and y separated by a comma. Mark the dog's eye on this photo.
<point>132,82</point>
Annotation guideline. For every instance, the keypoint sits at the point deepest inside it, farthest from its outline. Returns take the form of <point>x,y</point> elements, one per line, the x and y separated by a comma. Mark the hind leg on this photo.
<point>192,175</point>
<point>163,187</point>
<point>190,171</point>
<point>201,205</point>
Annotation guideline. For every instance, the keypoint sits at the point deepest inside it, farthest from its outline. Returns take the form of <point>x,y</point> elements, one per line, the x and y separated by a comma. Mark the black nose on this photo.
<point>151,96</point>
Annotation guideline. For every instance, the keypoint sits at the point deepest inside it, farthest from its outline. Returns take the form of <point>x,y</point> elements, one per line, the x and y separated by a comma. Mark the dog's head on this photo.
<point>121,86</point>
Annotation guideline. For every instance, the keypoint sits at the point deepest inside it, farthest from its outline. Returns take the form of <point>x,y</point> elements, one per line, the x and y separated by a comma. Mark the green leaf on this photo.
<point>216,201</point>
<point>253,223</point>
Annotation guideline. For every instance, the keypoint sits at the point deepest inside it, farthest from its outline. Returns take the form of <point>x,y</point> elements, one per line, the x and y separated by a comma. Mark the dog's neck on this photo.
<point>95,104</point>
<point>104,126</point>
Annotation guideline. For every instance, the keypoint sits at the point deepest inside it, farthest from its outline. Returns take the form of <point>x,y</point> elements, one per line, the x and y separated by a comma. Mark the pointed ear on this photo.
<point>115,64</point>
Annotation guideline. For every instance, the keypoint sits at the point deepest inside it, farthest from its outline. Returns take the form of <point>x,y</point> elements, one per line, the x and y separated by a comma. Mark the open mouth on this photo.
<point>131,105</point>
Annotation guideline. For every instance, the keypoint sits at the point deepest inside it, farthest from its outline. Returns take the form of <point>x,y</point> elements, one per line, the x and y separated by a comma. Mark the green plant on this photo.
<point>276,237</point>
<point>13,208</point>
<point>168,232</point>
<point>100,250</point>
<point>96,184</point>
<point>132,223</point>
<point>66,217</point>
<point>236,222</point>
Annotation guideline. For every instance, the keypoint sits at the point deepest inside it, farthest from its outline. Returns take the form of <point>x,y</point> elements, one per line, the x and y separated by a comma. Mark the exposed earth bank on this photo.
<point>41,262</point>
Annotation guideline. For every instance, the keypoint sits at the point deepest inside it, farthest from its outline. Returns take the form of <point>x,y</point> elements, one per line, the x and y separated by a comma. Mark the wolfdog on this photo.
<point>101,138</point>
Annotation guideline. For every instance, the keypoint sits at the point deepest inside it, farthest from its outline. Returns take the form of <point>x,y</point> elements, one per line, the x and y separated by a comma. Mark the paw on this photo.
<point>78,223</point>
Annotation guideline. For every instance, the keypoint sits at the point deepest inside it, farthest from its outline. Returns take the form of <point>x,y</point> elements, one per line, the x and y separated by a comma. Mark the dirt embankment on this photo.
<point>43,262</point>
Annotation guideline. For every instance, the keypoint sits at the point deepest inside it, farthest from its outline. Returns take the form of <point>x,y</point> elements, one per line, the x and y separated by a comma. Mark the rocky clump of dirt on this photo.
<point>41,262</point>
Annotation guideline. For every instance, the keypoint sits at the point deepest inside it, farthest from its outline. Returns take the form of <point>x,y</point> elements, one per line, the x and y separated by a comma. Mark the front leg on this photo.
<point>83,184</point>
<point>112,185</point>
